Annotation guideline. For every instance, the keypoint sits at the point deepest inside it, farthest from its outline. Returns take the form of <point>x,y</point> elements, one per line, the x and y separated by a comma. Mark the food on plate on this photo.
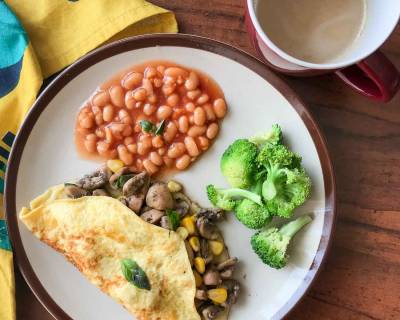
<point>154,116</point>
<point>226,198</point>
<point>266,179</point>
<point>252,215</point>
<point>271,244</point>
<point>238,162</point>
<point>97,234</point>
<point>287,185</point>
<point>262,170</point>
<point>65,218</point>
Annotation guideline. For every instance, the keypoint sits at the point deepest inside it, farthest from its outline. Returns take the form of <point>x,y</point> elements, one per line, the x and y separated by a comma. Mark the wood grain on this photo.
<point>360,279</point>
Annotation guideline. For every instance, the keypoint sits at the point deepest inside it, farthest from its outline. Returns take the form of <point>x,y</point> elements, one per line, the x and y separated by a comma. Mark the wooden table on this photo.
<point>361,277</point>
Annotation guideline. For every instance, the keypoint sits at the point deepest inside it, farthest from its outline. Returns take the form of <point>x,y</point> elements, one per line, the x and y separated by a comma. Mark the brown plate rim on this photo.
<point>179,40</point>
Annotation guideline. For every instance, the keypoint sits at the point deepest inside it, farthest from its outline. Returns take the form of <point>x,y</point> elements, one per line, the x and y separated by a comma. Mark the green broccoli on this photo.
<point>238,163</point>
<point>287,185</point>
<point>227,198</point>
<point>251,214</point>
<point>272,137</point>
<point>271,244</point>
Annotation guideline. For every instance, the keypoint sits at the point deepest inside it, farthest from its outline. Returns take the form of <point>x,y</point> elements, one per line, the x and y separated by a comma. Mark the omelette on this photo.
<point>97,233</point>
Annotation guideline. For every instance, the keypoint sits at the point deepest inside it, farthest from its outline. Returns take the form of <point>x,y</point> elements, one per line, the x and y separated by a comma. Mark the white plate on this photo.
<point>44,155</point>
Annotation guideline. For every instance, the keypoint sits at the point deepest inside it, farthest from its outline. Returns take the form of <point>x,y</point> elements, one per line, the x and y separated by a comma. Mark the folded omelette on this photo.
<point>97,233</point>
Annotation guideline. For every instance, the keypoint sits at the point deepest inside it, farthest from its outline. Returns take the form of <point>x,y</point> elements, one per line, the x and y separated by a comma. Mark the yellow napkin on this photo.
<point>39,38</point>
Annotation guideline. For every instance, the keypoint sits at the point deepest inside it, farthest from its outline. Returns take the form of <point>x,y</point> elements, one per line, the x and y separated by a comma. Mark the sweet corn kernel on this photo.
<point>216,247</point>
<point>197,278</point>
<point>188,223</point>
<point>200,264</point>
<point>174,186</point>
<point>194,243</point>
<point>218,295</point>
<point>115,165</point>
<point>183,233</point>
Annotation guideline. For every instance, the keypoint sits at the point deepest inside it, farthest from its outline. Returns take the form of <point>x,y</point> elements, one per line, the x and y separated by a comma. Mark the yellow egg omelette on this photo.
<point>97,233</point>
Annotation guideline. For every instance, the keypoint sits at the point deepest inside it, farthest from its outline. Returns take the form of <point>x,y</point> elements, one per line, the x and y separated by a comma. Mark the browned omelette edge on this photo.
<point>178,40</point>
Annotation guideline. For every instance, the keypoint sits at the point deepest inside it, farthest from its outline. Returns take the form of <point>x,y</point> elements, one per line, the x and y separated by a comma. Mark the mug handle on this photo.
<point>374,77</point>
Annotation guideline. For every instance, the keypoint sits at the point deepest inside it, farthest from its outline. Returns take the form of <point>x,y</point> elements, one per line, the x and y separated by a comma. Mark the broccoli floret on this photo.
<point>278,155</point>
<point>252,215</point>
<point>271,244</point>
<point>287,185</point>
<point>227,198</point>
<point>238,163</point>
<point>283,196</point>
<point>272,137</point>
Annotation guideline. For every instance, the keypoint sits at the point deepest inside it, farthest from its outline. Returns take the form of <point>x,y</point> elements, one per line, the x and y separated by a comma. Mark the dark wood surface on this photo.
<point>361,277</point>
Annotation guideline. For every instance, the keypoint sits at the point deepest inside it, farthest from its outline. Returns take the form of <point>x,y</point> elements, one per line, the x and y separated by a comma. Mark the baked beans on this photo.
<point>154,116</point>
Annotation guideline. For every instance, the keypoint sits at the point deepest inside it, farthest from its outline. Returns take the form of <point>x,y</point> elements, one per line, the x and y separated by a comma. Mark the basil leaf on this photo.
<point>174,219</point>
<point>160,128</point>
<point>147,126</point>
<point>123,179</point>
<point>135,274</point>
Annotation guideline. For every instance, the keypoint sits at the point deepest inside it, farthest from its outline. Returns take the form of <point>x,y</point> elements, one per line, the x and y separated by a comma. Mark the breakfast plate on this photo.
<point>44,154</point>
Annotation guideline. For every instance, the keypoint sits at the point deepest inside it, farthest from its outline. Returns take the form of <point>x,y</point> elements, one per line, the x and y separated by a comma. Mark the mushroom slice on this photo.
<point>201,294</point>
<point>135,202</point>
<point>213,214</point>
<point>164,223</point>
<point>233,288</point>
<point>159,197</point>
<point>182,207</point>
<point>135,184</point>
<point>74,192</point>
<point>205,251</point>
<point>94,180</point>
<point>227,273</point>
<point>231,262</point>
<point>211,277</point>
<point>114,178</point>
<point>207,229</point>
<point>152,216</point>
<point>211,312</point>
<point>100,192</point>
<point>189,252</point>
<point>182,204</point>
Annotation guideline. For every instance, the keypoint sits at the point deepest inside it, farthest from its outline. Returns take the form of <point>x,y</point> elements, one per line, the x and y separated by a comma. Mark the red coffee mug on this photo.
<point>366,69</point>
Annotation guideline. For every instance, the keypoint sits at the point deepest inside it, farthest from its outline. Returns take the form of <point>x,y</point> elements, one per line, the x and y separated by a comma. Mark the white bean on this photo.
<point>156,158</point>
<point>199,116</point>
<point>212,130</point>
<point>108,113</point>
<point>220,107</point>
<point>117,96</point>
<point>175,72</point>
<point>170,132</point>
<point>191,147</point>
<point>196,131</point>
<point>183,162</point>
<point>150,167</point>
<point>176,150</point>
<point>164,112</point>
<point>192,82</point>
<point>132,80</point>
<point>183,124</point>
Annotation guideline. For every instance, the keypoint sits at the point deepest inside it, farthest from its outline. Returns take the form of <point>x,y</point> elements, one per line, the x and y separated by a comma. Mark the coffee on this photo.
<point>316,31</point>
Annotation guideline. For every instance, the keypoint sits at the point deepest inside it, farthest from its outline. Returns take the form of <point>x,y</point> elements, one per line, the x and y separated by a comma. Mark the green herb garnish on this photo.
<point>135,274</point>
<point>160,128</point>
<point>123,179</point>
<point>147,126</point>
<point>174,219</point>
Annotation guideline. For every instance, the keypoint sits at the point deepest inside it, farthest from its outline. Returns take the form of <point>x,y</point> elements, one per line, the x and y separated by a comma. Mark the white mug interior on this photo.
<point>381,18</point>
